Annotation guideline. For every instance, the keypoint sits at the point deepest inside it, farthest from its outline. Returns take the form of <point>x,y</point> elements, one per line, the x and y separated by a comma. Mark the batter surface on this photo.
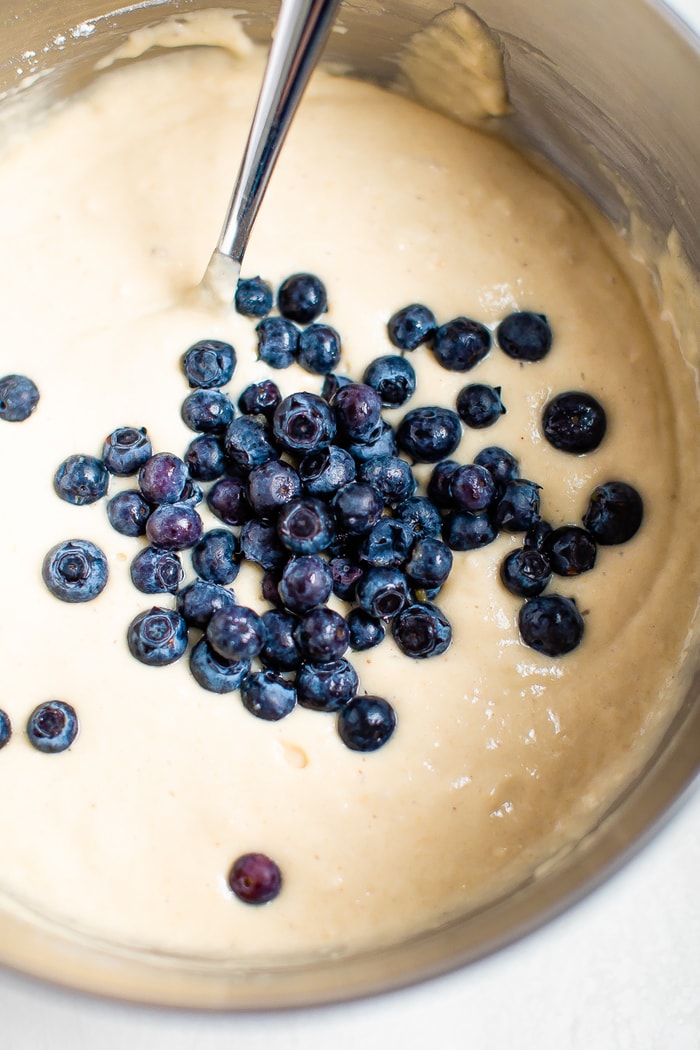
<point>501,756</point>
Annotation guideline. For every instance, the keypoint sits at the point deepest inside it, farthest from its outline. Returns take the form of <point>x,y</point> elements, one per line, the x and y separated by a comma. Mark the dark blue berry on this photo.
<point>499,462</point>
<point>191,494</point>
<point>305,526</point>
<point>421,630</point>
<point>209,364</point>
<point>207,411</point>
<point>357,508</point>
<point>162,478</point>
<point>52,727</point>
<point>331,385</point>
<point>614,513</point>
<point>551,624</point>
<point>272,486</point>
<point>260,399</point>
<point>5,728</point>
<point>525,336</point>
<point>364,631</point>
<point>253,297</point>
<point>346,574</point>
<point>157,637</point>
<point>280,651</point>
<point>228,500</point>
<point>214,672</point>
<point>302,298</point>
<point>326,471</point>
<point>525,572</point>
<point>465,531</point>
<point>269,587</point>
<point>268,695</point>
<point>306,583</point>
<point>75,571</point>
<point>255,879</point>
<point>198,601</point>
<point>430,563</point>
<point>278,342</point>
<point>322,635</point>
<point>393,378</point>
<point>319,349</point>
<point>328,686</point>
<point>237,634</point>
<point>480,405</point>
<point>472,488</point>
<point>421,514</point>
<point>574,422</point>
<point>366,723</point>
<point>304,422</point>
<point>128,512</point>
<point>358,410</point>
<point>459,345</point>
<point>391,476</point>
<point>81,480</point>
<point>214,557</point>
<point>381,442</point>
<point>260,544</point>
<point>126,450</point>
<point>156,571</point>
<point>439,491</point>
<point>411,326</point>
<point>382,592</point>
<point>518,508</point>
<point>174,526</point>
<point>387,544</point>
<point>429,434</point>
<point>537,534</point>
<point>18,398</point>
<point>570,550</point>
<point>247,443</point>
<point>205,458</point>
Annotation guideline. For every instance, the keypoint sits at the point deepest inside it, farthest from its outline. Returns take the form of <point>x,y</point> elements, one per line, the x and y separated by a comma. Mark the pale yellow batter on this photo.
<point>108,214</point>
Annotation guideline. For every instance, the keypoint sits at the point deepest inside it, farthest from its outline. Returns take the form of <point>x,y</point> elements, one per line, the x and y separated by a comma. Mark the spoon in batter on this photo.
<point>300,33</point>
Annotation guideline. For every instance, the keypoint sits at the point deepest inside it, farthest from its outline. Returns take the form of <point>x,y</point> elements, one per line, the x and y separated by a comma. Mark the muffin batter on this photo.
<point>502,757</point>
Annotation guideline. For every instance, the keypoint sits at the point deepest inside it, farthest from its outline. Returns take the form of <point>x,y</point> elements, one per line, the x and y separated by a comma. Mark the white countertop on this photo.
<point>621,971</point>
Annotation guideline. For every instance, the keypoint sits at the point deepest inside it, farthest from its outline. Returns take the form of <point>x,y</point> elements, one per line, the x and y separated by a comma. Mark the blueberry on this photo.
<point>439,491</point>
<point>332,384</point>
<point>459,345</point>
<point>387,544</point>
<point>155,571</point>
<point>526,572</point>
<point>499,462</point>
<point>268,695</point>
<point>570,550</point>
<point>322,635</point>
<point>209,364</point>
<point>382,592</point>
<point>198,601</point>
<point>393,378</point>
<point>260,544</point>
<point>324,472</point>
<point>411,326</point>
<point>5,729</point>
<point>253,297</point>
<point>302,298</point>
<point>272,486</point>
<point>421,514</point>
<point>207,411</point>
<point>18,398</point>
<point>306,583</point>
<point>280,651</point>
<point>358,409</point>
<point>346,574</point>
<point>52,727</point>
<point>192,494</point>
<point>326,687</point>
<point>574,422</point>
<point>366,723</point>
<point>421,630</point>
<point>303,422</point>
<point>537,534</point>
<point>162,478</point>
<point>319,349</point>
<point>260,399</point>
<point>429,434</point>
<point>214,557</point>
<point>237,634</point>
<point>305,526</point>
<point>614,513</point>
<point>364,631</point>
<point>75,571</point>
<point>391,476</point>
<point>551,624</point>
<point>247,443</point>
<point>525,336</point>
<point>518,508</point>
<point>465,531</point>
<point>157,637</point>
<point>128,512</point>
<point>255,879</point>
<point>214,672</point>
<point>278,342</point>
<point>381,442</point>
<point>269,587</point>
<point>430,563</point>
<point>480,405</point>
<point>126,450</point>
<point>228,500</point>
<point>357,508</point>
<point>81,480</point>
<point>204,458</point>
<point>472,488</point>
<point>174,527</point>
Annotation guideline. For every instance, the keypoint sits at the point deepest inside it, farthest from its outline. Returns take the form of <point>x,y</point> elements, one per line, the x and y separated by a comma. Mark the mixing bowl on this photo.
<point>609,93</point>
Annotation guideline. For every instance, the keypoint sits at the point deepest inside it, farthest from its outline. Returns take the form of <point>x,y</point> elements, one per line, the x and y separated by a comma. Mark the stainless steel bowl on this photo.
<point>610,93</point>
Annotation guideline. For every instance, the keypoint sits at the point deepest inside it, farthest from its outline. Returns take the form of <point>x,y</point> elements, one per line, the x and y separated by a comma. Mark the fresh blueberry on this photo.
<point>393,378</point>
<point>5,728</point>
<point>214,557</point>
<point>551,624</point>
<point>357,508</point>
<point>346,574</point>
<point>280,651</point>
<point>302,298</point>
<point>272,486</point>
<point>174,526</point>
<point>574,422</point>
<point>429,434</point>
<point>459,345</point>
<point>18,398</point>
<point>465,531</point>
<point>322,635</point>
<point>236,634</point>
<point>319,349</point>
<point>198,601</point>
<point>214,672</point>
<point>207,411</point>
<point>324,472</point>
<point>518,508</point>
<point>326,687</point>
<point>391,476</point>
<point>260,399</point>
<point>52,727</point>
<point>537,534</point>
<point>499,462</point>
<point>472,488</point>
<point>81,480</point>
<point>570,550</point>
<point>228,500</point>
<point>421,514</point>
<point>306,583</point>
<point>381,442</point>
<point>128,512</point>
<point>155,571</point>
<point>430,563</point>
<point>253,297</point>
<point>205,458</point>
<point>411,326</point>
<point>364,631</point>
<point>278,342</point>
<point>358,410</point>
<point>614,513</point>
<point>162,478</point>
<point>525,336</point>
<point>126,450</point>
<point>366,723</point>
<point>387,544</point>
<point>157,637</point>
<point>255,879</point>
<point>303,422</point>
<point>526,572</point>
<point>247,443</point>
<point>480,405</point>
<point>209,364</point>
<point>331,385</point>
<point>439,491</point>
<point>268,695</point>
<point>421,630</point>
<point>269,587</point>
<point>192,494</point>
<point>305,526</point>
<point>382,592</point>
<point>261,545</point>
<point>75,571</point>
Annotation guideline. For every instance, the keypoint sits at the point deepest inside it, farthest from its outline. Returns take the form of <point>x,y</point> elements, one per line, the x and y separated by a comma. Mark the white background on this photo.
<point>619,972</point>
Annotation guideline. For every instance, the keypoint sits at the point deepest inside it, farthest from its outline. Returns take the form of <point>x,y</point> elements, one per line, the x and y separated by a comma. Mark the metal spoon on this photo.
<point>301,31</point>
